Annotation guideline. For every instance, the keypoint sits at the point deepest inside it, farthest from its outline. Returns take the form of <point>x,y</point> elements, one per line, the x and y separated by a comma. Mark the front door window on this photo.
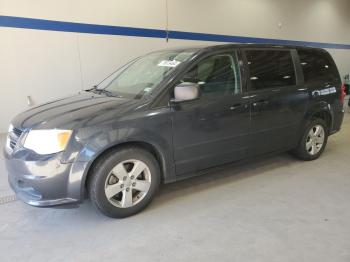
<point>217,74</point>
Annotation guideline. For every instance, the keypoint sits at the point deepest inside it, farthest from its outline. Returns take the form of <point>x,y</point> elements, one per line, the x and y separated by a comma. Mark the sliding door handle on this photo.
<point>238,105</point>
<point>261,103</point>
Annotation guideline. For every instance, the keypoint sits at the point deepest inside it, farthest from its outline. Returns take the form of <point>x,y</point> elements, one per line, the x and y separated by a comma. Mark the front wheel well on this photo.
<point>143,145</point>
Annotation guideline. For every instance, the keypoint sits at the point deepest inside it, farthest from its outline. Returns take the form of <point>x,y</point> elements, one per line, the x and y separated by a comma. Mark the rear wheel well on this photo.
<point>325,116</point>
<point>143,145</point>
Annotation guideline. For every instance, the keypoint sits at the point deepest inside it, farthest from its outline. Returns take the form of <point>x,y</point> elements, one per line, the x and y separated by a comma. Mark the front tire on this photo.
<point>123,182</point>
<point>313,141</point>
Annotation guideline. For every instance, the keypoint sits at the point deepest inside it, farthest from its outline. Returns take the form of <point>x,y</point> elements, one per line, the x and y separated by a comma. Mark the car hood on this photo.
<point>83,109</point>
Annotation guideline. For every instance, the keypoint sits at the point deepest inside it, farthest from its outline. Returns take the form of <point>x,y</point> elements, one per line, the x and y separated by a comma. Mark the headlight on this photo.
<point>10,128</point>
<point>8,137</point>
<point>47,141</point>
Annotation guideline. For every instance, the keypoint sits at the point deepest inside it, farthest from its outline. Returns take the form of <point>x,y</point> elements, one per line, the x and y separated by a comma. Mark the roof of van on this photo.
<point>263,46</point>
<point>240,45</point>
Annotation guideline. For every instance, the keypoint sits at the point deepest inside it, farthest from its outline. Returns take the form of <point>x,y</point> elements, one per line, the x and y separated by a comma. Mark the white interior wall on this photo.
<point>48,64</point>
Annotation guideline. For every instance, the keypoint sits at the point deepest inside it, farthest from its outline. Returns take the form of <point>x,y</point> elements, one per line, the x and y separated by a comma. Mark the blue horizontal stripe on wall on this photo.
<point>51,25</point>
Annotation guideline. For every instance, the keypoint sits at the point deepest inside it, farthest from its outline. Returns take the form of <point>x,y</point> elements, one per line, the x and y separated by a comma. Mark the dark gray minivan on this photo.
<point>170,115</point>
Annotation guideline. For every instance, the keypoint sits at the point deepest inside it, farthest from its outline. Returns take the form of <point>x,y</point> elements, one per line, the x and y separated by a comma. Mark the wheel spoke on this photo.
<point>318,130</point>
<point>142,185</point>
<point>138,168</point>
<point>312,152</point>
<point>311,133</point>
<point>319,140</point>
<point>127,198</point>
<point>119,171</point>
<point>112,190</point>
<point>308,145</point>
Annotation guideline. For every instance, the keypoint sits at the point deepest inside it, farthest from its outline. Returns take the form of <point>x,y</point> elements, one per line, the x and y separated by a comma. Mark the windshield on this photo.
<point>142,75</point>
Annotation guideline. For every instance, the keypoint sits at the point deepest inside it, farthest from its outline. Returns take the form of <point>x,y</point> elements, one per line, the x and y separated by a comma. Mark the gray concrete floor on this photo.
<point>274,209</point>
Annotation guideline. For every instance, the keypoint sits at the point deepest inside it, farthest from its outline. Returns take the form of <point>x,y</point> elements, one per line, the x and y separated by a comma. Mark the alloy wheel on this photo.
<point>128,183</point>
<point>315,139</point>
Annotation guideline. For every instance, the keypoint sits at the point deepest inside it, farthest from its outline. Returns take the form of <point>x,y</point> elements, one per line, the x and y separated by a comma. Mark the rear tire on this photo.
<point>313,140</point>
<point>124,182</point>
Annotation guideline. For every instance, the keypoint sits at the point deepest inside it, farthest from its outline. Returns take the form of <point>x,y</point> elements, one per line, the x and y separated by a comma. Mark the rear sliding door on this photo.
<point>278,101</point>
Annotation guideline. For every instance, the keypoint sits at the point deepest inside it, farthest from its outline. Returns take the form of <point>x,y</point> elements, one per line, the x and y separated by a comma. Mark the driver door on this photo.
<point>214,128</point>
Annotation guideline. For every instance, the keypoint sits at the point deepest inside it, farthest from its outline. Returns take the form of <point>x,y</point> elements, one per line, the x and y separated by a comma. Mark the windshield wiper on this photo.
<point>95,90</point>
<point>91,89</point>
<point>109,93</point>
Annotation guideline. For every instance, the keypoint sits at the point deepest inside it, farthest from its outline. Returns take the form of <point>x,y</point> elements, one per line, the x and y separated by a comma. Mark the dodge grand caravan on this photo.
<point>169,115</point>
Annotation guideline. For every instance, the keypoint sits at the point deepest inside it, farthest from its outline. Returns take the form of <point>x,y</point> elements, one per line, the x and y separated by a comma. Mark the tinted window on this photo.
<point>270,68</point>
<point>317,66</point>
<point>216,74</point>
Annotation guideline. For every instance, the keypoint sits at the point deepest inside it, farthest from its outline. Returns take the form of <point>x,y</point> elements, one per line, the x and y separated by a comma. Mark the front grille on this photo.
<point>12,144</point>
<point>13,137</point>
<point>17,132</point>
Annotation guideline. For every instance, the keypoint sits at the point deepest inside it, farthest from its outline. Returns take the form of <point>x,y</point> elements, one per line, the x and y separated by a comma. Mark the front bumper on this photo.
<point>43,183</point>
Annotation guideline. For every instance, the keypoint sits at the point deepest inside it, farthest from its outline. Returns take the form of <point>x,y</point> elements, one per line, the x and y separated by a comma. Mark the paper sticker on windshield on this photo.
<point>169,63</point>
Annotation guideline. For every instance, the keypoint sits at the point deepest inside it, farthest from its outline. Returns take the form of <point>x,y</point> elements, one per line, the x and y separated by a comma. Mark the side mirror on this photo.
<point>186,91</point>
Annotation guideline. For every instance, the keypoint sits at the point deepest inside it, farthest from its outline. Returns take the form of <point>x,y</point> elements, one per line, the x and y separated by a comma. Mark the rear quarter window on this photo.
<point>318,67</point>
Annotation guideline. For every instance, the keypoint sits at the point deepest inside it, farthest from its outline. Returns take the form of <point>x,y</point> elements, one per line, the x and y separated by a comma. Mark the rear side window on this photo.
<point>270,68</point>
<point>318,67</point>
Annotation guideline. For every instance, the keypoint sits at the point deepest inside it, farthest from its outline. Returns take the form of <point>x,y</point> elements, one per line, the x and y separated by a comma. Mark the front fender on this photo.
<point>96,141</point>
